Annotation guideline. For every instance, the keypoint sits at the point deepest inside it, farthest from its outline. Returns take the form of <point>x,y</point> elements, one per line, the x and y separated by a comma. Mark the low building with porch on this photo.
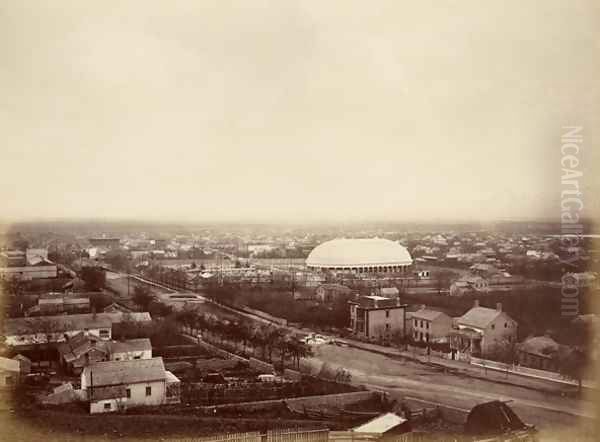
<point>481,330</point>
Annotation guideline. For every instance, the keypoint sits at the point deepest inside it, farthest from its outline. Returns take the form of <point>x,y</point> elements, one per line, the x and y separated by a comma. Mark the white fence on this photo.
<point>282,435</point>
<point>526,371</point>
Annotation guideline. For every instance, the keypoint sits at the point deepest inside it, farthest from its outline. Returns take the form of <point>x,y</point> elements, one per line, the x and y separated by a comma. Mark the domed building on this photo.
<point>364,255</point>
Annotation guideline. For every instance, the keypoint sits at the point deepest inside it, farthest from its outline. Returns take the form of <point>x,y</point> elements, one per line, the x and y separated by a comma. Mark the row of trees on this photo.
<point>282,304</point>
<point>266,342</point>
<point>175,277</point>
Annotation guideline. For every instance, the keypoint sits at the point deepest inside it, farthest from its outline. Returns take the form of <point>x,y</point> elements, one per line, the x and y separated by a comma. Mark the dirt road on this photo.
<point>407,378</point>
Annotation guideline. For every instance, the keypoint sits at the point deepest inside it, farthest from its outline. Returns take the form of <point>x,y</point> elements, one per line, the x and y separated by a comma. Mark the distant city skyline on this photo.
<point>286,111</point>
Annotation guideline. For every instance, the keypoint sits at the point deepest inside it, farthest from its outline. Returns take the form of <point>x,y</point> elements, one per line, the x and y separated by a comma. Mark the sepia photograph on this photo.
<point>299,220</point>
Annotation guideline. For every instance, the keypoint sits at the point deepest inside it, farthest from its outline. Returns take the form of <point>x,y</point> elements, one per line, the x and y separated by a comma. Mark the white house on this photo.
<point>481,330</point>
<point>10,371</point>
<point>118,385</point>
<point>130,349</point>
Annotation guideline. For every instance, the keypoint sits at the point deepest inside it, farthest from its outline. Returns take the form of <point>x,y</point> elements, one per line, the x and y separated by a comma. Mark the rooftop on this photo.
<point>124,372</point>
<point>77,346</point>
<point>380,424</point>
<point>357,252</point>
<point>479,317</point>
<point>141,344</point>
<point>375,301</point>
<point>59,323</point>
<point>9,364</point>
<point>426,314</point>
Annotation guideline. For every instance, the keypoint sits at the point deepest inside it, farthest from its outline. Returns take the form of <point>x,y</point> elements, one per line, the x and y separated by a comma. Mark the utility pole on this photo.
<point>128,278</point>
<point>293,277</point>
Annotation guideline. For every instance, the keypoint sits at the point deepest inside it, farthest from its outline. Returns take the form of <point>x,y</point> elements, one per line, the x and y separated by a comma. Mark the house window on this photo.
<point>415,322</point>
<point>387,313</point>
<point>421,323</point>
<point>104,333</point>
<point>107,405</point>
<point>137,357</point>
<point>427,324</point>
<point>505,325</point>
<point>493,326</point>
<point>148,391</point>
<point>128,393</point>
<point>387,326</point>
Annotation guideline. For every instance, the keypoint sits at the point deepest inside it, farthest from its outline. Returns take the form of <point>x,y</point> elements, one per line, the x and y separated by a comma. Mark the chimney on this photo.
<point>397,301</point>
<point>476,303</point>
<point>499,306</point>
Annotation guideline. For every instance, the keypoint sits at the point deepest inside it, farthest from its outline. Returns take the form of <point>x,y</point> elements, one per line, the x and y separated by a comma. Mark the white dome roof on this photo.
<point>358,252</point>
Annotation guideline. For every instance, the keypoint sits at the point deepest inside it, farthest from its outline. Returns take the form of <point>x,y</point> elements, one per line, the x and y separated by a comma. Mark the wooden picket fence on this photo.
<point>275,435</point>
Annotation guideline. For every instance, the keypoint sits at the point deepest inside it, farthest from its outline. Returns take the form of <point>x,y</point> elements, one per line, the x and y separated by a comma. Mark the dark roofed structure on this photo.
<point>494,418</point>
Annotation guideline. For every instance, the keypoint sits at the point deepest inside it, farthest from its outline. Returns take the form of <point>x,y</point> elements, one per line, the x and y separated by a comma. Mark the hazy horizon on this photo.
<point>295,111</point>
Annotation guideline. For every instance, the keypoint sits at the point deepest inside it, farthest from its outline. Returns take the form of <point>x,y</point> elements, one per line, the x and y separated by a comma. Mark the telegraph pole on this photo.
<point>293,277</point>
<point>128,278</point>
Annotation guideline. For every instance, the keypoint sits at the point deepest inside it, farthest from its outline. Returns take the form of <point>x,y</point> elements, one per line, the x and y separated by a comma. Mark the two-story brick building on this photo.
<point>377,318</point>
<point>428,325</point>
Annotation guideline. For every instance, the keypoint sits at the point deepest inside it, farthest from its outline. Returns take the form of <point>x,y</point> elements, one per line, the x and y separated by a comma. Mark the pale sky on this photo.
<point>282,110</point>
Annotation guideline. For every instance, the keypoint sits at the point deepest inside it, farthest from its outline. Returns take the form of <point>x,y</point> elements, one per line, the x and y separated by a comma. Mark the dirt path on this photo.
<point>413,378</point>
